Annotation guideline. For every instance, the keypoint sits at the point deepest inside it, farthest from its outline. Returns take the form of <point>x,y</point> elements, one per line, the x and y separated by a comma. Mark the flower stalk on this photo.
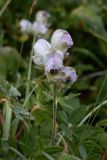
<point>29,71</point>
<point>54,114</point>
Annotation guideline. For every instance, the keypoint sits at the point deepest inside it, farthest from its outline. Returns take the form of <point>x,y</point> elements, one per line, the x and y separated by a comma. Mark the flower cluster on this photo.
<point>39,26</point>
<point>51,56</point>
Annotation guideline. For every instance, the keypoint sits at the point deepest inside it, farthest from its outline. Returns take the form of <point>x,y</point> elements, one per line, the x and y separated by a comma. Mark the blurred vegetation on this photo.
<point>30,130</point>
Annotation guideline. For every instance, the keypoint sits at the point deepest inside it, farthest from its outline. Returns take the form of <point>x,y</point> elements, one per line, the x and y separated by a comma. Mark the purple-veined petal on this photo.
<point>61,40</point>
<point>39,28</point>
<point>70,74</point>
<point>26,26</point>
<point>53,62</point>
<point>41,48</point>
<point>43,17</point>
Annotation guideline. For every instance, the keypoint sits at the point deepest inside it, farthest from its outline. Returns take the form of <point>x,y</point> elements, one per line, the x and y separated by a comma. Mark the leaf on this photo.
<point>77,114</point>
<point>63,117</point>
<point>53,150</point>
<point>84,132</point>
<point>48,156</point>
<point>14,92</point>
<point>83,152</point>
<point>7,116</point>
<point>24,113</point>
<point>18,153</point>
<point>103,139</point>
<point>5,146</point>
<point>69,103</point>
<point>10,60</point>
<point>88,18</point>
<point>65,156</point>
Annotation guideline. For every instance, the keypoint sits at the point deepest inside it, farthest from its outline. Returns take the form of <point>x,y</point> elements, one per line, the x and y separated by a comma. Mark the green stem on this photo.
<point>54,115</point>
<point>29,71</point>
<point>4,7</point>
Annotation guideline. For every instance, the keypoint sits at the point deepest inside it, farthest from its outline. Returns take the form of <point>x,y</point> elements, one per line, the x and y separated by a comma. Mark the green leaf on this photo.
<point>103,139</point>
<point>48,156</point>
<point>18,153</point>
<point>83,152</point>
<point>78,114</point>
<point>65,156</point>
<point>14,92</point>
<point>53,150</point>
<point>84,132</point>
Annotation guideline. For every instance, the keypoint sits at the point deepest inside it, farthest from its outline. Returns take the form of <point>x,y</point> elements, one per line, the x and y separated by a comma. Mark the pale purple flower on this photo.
<point>61,40</point>
<point>70,74</point>
<point>41,49</point>
<point>53,62</point>
<point>51,56</point>
<point>26,26</point>
<point>39,28</point>
<point>65,75</point>
<point>43,17</point>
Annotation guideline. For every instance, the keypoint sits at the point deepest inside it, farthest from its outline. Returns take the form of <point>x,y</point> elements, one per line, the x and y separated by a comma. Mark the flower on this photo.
<point>38,27</point>
<point>26,26</point>
<point>70,74</point>
<point>43,17</point>
<point>61,40</point>
<point>53,62</point>
<point>51,56</point>
<point>41,48</point>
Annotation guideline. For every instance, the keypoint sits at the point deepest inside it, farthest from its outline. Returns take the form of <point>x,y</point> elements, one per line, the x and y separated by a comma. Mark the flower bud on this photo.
<point>61,40</point>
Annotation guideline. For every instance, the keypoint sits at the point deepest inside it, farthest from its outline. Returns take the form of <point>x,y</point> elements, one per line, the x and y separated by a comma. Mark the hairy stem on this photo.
<point>54,115</point>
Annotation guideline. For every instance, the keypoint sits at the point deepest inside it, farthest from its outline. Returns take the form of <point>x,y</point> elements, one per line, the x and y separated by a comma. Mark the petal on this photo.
<point>39,28</point>
<point>61,40</point>
<point>41,48</point>
<point>53,62</point>
<point>38,60</point>
<point>26,26</point>
<point>43,17</point>
<point>70,74</point>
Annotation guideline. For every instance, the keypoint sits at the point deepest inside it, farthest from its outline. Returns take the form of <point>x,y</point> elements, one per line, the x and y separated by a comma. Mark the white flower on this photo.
<point>41,48</point>
<point>43,17</point>
<point>26,26</point>
<point>39,28</point>
<point>61,40</point>
<point>53,62</point>
<point>52,55</point>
